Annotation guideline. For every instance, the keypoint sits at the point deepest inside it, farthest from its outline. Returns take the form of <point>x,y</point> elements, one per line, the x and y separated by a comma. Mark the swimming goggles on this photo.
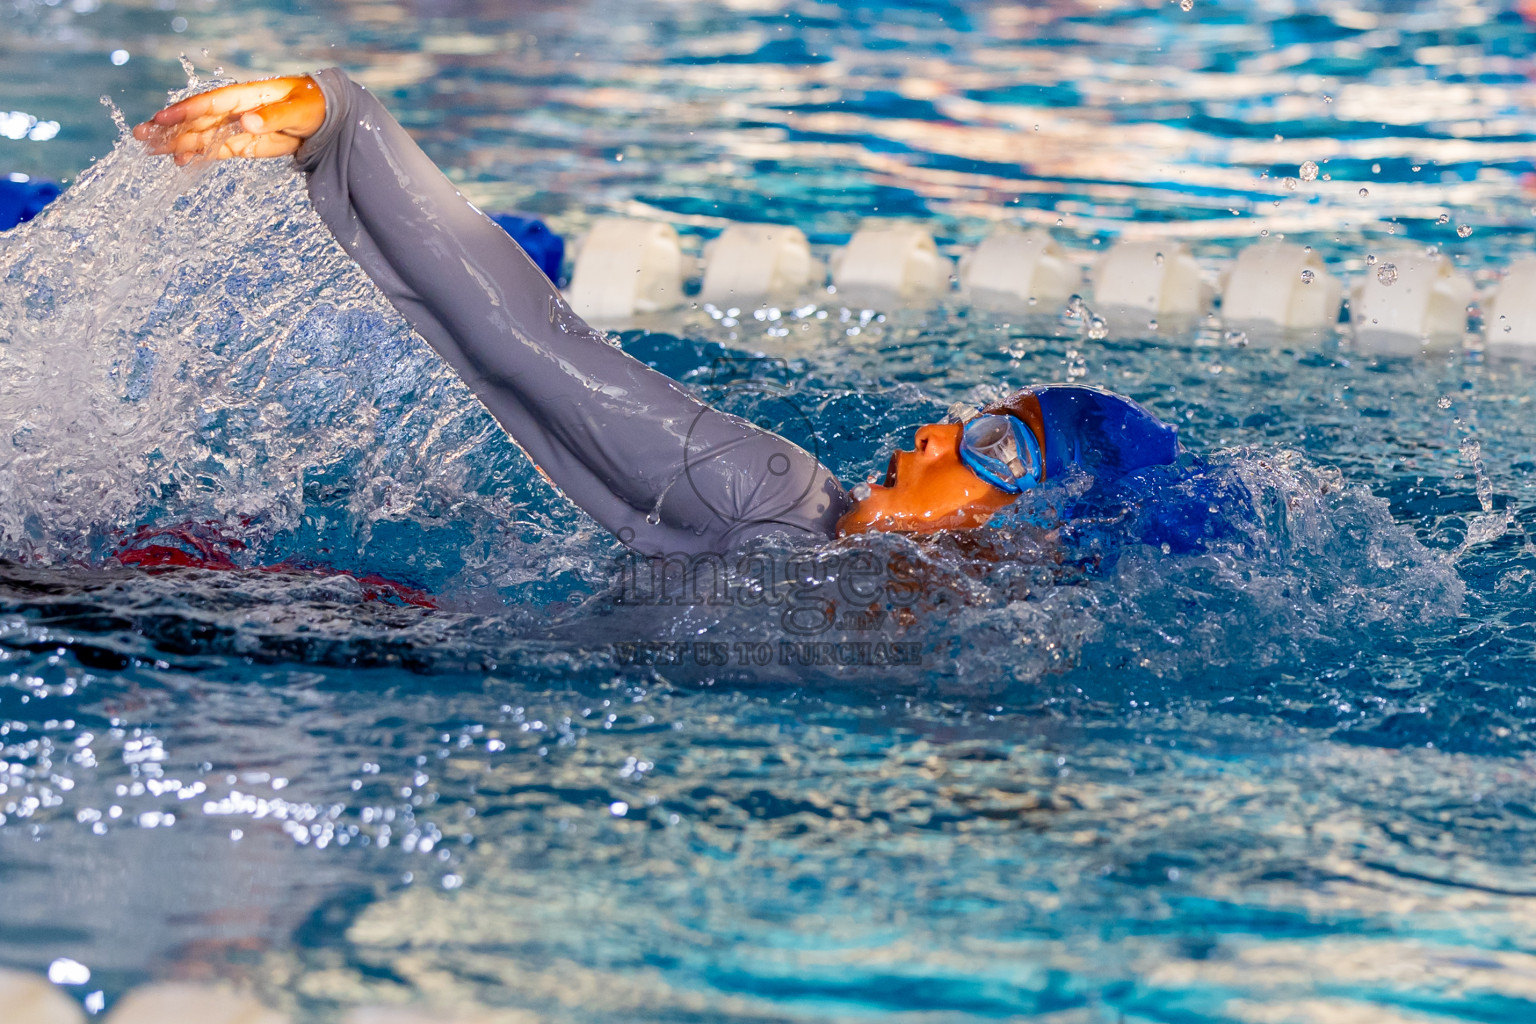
<point>999,448</point>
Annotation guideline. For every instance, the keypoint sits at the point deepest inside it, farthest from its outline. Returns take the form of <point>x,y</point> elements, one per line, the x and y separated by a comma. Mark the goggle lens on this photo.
<point>1002,451</point>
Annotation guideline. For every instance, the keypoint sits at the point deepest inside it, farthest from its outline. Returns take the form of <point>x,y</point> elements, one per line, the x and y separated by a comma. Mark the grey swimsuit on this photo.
<point>662,470</point>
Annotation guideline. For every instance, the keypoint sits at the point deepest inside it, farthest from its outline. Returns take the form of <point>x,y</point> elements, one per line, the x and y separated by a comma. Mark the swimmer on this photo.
<point>665,472</point>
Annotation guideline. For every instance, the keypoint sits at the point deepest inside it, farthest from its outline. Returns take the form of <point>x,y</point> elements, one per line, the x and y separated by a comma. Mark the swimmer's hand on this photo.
<point>271,117</point>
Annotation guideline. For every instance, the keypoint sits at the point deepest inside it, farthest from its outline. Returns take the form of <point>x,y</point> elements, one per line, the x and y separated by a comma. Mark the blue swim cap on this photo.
<point>1108,435</point>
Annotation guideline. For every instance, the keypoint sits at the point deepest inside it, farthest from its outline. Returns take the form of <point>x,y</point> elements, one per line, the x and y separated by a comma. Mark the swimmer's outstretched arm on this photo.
<point>662,470</point>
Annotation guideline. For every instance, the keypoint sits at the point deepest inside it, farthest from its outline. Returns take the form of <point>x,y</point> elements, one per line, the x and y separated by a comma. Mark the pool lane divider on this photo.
<point>891,264</point>
<point>1509,319</point>
<point>1014,270</point>
<point>1407,301</point>
<point>759,263</point>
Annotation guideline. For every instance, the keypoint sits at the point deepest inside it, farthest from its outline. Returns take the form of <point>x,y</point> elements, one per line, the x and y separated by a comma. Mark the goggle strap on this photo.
<point>962,413</point>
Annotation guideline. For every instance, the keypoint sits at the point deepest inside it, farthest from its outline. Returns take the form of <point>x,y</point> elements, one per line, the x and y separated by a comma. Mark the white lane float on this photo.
<point>178,1003</point>
<point>625,267</point>
<point>1159,277</point>
<point>1279,284</point>
<point>31,999</point>
<point>890,264</point>
<point>751,265</point>
<point>1410,302</point>
<point>1510,323</point>
<point>1019,271</point>
<point>1405,302</point>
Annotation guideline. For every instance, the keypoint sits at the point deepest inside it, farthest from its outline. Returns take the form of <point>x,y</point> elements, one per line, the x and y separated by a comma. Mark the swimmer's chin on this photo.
<point>881,512</point>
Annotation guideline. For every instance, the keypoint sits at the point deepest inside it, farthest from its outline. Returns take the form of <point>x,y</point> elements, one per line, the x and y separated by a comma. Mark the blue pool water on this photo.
<point>1284,777</point>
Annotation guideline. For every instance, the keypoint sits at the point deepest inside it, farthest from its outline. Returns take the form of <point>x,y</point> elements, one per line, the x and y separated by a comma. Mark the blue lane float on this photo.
<point>22,198</point>
<point>543,246</point>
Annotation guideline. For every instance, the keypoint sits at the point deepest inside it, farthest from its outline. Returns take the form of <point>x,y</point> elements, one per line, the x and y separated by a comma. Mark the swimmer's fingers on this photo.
<point>245,145</point>
<point>294,106</point>
<point>226,102</point>
<point>298,116</point>
<point>258,147</point>
<point>184,145</point>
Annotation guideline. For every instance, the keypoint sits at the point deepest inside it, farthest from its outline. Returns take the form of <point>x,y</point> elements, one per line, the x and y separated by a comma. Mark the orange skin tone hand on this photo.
<point>268,118</point>
<point>928,489</point>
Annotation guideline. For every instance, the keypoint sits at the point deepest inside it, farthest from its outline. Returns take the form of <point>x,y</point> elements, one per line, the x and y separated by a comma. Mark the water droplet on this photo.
<point>1158,259</point>
<point>1464,230</point>
<point>1263,232</point>
<point>1364,192</point>
<point>1290,184</point>
<point>1444,218</point>
<point>1238,338</point>
<point>65,971</point>
<point>1097,328</point>
<point>1308,171</point>
<point>1387,274</point>
<point>1307,276</point>
<point>1152,324</point>
<point>1186,5</point>
<point>1370,259</point>
<point>1445,402</point>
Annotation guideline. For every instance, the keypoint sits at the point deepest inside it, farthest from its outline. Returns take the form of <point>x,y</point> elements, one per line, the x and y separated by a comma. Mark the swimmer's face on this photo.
<point>927,489</point>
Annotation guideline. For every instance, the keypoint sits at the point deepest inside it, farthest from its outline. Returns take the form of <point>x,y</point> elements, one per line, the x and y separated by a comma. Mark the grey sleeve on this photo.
<point>665,472</point>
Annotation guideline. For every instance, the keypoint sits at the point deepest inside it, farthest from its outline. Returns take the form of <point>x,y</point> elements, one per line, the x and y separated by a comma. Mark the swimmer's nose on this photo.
<point>935,439</point>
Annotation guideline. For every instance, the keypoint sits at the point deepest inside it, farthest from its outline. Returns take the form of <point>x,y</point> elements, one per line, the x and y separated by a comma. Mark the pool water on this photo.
<point>423,738</point>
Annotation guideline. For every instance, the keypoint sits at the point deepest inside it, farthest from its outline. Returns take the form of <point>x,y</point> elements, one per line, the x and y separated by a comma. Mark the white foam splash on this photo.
<point>184,345</point>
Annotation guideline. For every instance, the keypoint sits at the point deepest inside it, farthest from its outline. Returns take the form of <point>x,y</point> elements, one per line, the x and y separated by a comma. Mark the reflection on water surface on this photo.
<point>1283,779</point>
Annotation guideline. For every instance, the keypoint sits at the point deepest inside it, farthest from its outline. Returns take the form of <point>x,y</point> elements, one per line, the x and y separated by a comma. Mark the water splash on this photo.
<point>192,345</point>
<point>1490,525</point>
